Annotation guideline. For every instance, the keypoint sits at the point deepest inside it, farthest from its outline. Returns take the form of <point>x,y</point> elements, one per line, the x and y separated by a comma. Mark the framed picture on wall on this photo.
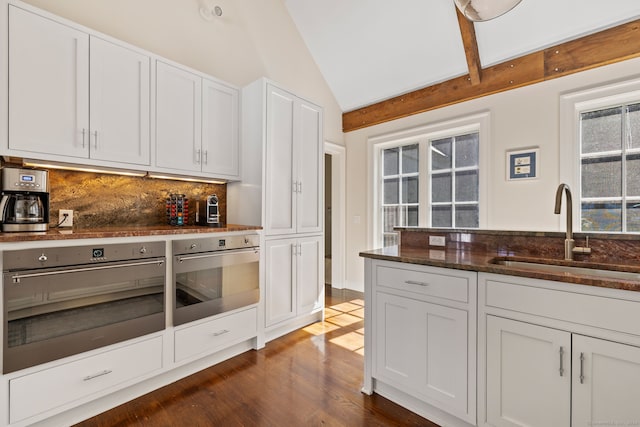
<point>522,164</point>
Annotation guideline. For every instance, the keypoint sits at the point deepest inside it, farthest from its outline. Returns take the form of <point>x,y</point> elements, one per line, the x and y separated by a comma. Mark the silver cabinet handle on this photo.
<point>206,156</point>
<point>222,332</point>
<point>581,368</point>
<point>300,187</point>
<point>99,374</point>
<point>16,277</point>
<point>413,282</point>
<point>198,155</point>
<point>561,361</point>
<point>95,141</point>
<point>84,135</point>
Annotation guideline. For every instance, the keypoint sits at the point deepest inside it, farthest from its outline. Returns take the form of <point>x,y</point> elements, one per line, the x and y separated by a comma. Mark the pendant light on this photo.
<point>484,10</point>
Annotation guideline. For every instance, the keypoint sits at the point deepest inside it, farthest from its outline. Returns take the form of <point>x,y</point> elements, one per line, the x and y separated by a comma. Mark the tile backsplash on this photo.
<point>102,200</point>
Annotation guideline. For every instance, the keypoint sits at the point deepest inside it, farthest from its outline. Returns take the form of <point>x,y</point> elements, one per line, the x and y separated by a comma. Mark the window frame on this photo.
<point>423,135</point>
<point>572,105</point>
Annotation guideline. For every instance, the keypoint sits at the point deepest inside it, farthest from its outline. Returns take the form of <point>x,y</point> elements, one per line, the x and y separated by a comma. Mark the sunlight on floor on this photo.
<point>344,322</point>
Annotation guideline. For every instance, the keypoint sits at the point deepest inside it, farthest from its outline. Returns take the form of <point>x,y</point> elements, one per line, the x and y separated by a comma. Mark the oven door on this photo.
<point>58,312</point>
<point>210,283</point>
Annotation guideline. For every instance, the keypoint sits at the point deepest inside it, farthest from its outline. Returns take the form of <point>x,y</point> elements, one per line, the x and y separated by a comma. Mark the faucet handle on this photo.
<point>585,250</point>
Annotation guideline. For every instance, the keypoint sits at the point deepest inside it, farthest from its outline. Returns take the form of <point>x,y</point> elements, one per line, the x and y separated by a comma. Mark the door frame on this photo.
<point>338,212</point>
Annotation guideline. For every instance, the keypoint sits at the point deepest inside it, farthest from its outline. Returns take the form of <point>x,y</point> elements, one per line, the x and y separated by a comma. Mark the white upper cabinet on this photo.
<point>48,86</point>
<point>196,124</point>
<point>178,118</point>
<point>220,126</point>
<point>293,176</point>
<point>75,95</point>
<point>119,104</point>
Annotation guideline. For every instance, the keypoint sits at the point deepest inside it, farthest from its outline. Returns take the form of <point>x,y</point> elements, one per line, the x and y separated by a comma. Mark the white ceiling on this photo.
<point>371,50</point>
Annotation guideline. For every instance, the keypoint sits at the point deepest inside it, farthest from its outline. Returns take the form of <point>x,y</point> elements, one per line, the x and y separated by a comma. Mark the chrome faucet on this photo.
<point>569,244</point>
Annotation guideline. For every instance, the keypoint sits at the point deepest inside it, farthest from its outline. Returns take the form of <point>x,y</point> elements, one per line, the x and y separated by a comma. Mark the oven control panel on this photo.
<point>211,244</point>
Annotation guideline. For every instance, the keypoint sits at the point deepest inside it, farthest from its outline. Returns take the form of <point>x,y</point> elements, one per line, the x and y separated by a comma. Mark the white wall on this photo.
<point>252,39</point>
<point>520,118</point>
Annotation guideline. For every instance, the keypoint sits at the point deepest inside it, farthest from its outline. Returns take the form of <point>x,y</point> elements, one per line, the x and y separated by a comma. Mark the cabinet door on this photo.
<point>310,275</point>
<point>48,86</point>
<point>422,349</point>
<point>606,382</point>
<point>178,118</point>
<point>119,104</point>
<point>525,384</point>
<point>220,143</point>
<point>280,290</point>
<point>280,182</point>
<point>310,172</point>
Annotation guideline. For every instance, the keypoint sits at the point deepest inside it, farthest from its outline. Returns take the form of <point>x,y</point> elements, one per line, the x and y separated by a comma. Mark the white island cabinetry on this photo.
<point>557,354</point>
<point>420,341</point>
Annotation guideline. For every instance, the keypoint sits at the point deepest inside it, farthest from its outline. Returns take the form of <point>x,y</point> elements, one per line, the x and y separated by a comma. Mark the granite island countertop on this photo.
<point>93,233</point>
<point>484,257</point>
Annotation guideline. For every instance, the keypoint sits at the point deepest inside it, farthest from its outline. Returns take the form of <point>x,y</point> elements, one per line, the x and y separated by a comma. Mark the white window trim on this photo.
<point>571,105</point>
<point>477,122</point>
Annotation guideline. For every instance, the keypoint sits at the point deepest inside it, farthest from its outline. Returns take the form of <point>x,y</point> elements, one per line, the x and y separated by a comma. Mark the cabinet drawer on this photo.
<point>532,297</point>
<point>437,282</point>
<point>215,334</point>
<point>36,393</point>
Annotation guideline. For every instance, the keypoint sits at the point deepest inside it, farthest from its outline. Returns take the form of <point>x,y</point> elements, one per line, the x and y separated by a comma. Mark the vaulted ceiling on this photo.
<point>373,50</point>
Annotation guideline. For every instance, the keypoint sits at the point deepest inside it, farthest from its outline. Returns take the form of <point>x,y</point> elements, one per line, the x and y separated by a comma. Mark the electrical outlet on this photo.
<point>68,221</point>
<point>436,241</point>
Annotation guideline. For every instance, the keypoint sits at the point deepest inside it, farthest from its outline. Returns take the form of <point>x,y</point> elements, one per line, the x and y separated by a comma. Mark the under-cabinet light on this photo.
<point>81,168</point>
<point>184,178</point>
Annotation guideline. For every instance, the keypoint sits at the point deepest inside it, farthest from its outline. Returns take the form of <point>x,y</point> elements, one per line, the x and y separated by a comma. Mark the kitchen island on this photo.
<point>481,331</point>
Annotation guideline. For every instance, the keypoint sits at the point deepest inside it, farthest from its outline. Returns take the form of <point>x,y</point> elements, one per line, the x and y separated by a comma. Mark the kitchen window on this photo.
<point>429,177</point>
<point>602,163</point>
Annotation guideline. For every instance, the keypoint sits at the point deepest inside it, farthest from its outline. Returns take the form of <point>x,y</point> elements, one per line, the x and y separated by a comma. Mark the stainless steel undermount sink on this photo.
<point>542,266</point>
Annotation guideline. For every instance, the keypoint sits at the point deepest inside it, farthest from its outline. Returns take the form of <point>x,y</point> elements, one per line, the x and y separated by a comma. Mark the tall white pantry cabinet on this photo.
<point>282,190</point>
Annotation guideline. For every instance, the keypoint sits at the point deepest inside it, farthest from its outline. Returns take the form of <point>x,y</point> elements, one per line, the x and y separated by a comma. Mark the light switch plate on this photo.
<point>436,241</point>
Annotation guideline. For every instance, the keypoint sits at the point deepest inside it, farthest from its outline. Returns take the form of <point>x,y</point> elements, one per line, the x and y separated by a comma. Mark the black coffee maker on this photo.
<point>25,199</point>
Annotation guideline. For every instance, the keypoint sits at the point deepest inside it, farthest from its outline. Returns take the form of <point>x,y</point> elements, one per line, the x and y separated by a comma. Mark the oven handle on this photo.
<point>16,278</point>
<point>182,259</point>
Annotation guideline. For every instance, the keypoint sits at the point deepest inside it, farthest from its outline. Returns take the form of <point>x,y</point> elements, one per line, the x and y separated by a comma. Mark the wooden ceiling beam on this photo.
<point>468,33</point>
<point>602,48</point>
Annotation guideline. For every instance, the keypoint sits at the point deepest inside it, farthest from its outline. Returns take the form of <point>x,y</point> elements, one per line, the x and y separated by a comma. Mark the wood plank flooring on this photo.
<point>311,377</point>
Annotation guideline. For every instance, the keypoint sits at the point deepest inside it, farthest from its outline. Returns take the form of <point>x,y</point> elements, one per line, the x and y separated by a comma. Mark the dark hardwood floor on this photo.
<point>311,377</point>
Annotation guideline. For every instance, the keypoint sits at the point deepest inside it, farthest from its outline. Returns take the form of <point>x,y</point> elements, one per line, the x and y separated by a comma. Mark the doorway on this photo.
<point>334,214</point>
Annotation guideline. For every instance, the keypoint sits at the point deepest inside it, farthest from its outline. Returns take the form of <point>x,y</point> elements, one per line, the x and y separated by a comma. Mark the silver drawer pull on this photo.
<point>561,357</point>
<point>581,368</point>
<point>99,374</point>
<point>413,282</point>
<point>222,332</point>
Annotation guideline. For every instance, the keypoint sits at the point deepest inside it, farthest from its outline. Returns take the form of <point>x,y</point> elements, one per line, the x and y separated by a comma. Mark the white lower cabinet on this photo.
<point>541,367</point>
<point>421,348</point>
<point>55,387</point>
<point>528,374</point>
<point>211,335</point>
<point>420,340</point>
<point>294,285</point>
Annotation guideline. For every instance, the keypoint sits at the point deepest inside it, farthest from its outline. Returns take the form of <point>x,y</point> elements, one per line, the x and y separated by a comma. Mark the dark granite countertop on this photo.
<point>93,233</point>
<point>483,261</point>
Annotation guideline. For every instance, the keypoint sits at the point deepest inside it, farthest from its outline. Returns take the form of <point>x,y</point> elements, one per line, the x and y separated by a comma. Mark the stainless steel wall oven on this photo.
<point>66,300</point>
<point>215,274</point>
